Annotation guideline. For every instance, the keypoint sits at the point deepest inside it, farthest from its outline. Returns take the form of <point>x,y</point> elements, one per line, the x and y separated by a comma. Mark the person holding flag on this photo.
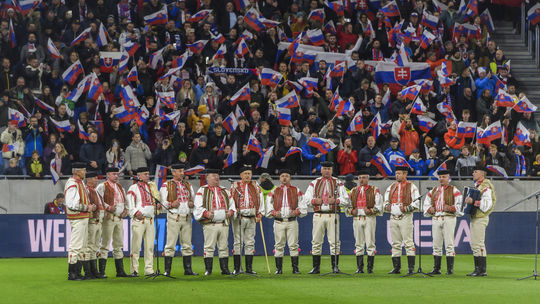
<point>178,195</point>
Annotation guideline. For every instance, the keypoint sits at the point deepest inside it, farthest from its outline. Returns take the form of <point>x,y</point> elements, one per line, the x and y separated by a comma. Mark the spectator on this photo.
<point>164,154</point>
<point>137,154</point>
<point>293,162</point>
<point>311,158</point>
<point>347,158</point>
<point>466,162</point>
<point>13,145</point>
<point>393,150</point>
<point>13,168</point>
<point>200,117</point>
<point>33,140</point>
<point>92,153</point>
<point>493,157</point>
<point>35,166</point>
<point>366,154</point>
<point>535,168</point>
<point>447,158</point>
<point>56,206</point>
<point>452,139</point>
<point>202,155</point>
<point>432,162</point>
<point>115,156</point>
<point>49,148</point>
<point>62,161</point>
<point>409,138</point>
<point>417,163</point>
<point>519,165</point>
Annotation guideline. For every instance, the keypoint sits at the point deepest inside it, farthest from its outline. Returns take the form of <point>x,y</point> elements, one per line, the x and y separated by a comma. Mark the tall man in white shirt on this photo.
<point>400,200</point>
<point>177,194</point>
<point>325,195</point>
<point>284,204</point>
<point>443,203</point>
<point>480,219</point>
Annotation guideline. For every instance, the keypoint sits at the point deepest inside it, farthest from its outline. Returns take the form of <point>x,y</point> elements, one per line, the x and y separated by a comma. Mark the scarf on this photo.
<point>521,168</point>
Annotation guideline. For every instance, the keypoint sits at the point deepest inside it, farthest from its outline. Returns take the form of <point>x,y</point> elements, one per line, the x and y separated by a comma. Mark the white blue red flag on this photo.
<point>466,129</point>
<point>265,159</point>
<point>61,126</point>
<point>161,175</point>
<point>71,74</point>
<point>159,17</point>
<point>243,94</point>
<point>108,60</point>
<point>102,38</point>
<point>425,123</point>
<point>525,106</point>
<point>270,77</point>
<point>16,116</point>
<point>200,15</point>
<point>322,145</point>
<point>491,133</point>
<point>52,168</point>
<point>52,49</point>
<point>82,37</point>
<point>533,14</point>
<point>288,101</point>
<point>254,145</point>
<point>380,162</point>
<point>317,15</point>
<point>230,123</point>
<point>357,124</point>
<point>522,136</point>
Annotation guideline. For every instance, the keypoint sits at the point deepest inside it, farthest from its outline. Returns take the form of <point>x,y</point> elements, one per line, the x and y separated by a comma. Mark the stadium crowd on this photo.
<point>120,84</point>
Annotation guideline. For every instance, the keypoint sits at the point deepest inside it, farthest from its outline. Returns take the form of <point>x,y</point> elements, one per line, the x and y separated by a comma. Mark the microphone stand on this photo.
<point>240,196</point>
<point>421,211</point>
<point>335,269</point>
<point>535,271</point>
<point>157,273</point>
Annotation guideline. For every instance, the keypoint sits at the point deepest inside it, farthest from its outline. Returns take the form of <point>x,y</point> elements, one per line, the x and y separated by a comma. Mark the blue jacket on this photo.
<point>486,83</point>
<point>309,161</point>
<point>435,165</point>
<point>419,166</point>
<point>389,152</point>
<point>385,116</point>
<point>33,141</point>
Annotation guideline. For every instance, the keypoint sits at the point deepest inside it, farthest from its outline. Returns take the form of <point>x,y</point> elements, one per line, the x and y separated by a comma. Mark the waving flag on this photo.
<point>197,46</point>
<point>230,123</point>
<point>194,170</point>
<point>329,27</point>
<point>254,145</point>
<point>398,160</point>
<point>131,47</point>
<point>200,15</point>
<point>220,53</point>
<point>243,94</point>
<point>374,125</point>
<point>411,92</point>
<point>397,76</point>
<point>466,129</point>
<point>497,170</point>
<point>102,36</point>
<point>167,98</point>
<point>161,176</point>
<point>81,88</point>
<point>156,58</point>
<point>425,123</point>
<point>52,49</point>
<point>300,57</point>
<point>322,145</point>
<point>43,105</point>
<point>491,133</point>
<point>402,57</point>
<point>268,23</point>
<point>443,166</point>
<point>129,100</point>
<point>368,31</point>
<point>426,39</point>
<point>429,21</point>
<point>471,10</point>
<point>317,15</point>
<point>83,135</point>
<point>295,86</point>
<point>336,6</point>
<point>337,71</point>
<point>265,159</point>
<point>159,17</point>
<point>444,81</point>
<point>522,136</point>
<point>309,84</point>
<point>16,116</point>
<point>132,76</point>
<point>82,37</point>
<point>61,126</point>
<point>284,116</point>
<point>446,110</point>
<point>524,106</point>
<point>418,107</point>
<point>218,37</point>
<point>233,156</point>
<point>390,9</point>
<point>270,77</point>
<point>533,14</point>
<point>343,106</point>
<point>72,73</point>
<point>315,37</point>
<point>504,99</point>
<point>12,39</point>
<point>336,99</point>
<point>293,151</point>
<point>95,89</point>
<point>253,19</point>
<point>123,115</point>
<point>379,161</point>
<point>108,60</point>
<point>52,168</point>
<point>357,124</point>
<point>288,101</point>
<point>441,7</point>
<point>386,98</point>
<point>242,49</point>
<point>485,16</point>
<point>123,64</point>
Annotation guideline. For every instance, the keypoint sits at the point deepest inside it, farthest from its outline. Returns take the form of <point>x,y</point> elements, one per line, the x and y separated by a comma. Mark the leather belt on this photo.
<point>397,218</point>
<point>247,216</point>
<point>290,219</point>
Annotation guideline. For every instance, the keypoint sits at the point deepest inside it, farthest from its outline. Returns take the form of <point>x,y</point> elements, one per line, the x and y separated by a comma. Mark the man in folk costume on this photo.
<point>114,202</point>
<point>284,204</point>
<point>443,203</point>
<point>177,194</point>
<point>213,210</point>
<point>400,200</point>
<point>94,228</point>
<point>325,195</point>
<point>78,212</point>
<point>140,198</point>
<point>480,219</point>
<point>366,204</point>
<point>249,203</point>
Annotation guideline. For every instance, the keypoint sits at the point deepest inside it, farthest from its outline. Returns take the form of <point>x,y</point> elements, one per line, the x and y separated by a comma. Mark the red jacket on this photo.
<point>409,139</point>
<point>347,162</point>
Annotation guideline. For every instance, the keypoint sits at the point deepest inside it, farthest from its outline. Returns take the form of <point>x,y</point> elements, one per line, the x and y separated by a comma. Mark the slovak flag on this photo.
<point>83,135</point>
<point>197,46</point>
<point>102,36</point>
<point>12,35</point>
<point>390,10</point>
<point>25,6</point>
<point>429,21</point>
<point>265,159</point>
<point>284,116</point>
<point>108,60</point>
<point>268,23</point>
<point>411,92</point>
<point>300,56</point>
<point>242,49</point>
<point>426,39</point>
<point>159,17</point>
<point>491,133</point>
<point>310,85</point>
<point>156,58</point>
<point>336,6</point>
<point>132,76</point>
<point>194,170</point>
<point>485,16</point>
<point>425,123</point>
<point>253,19</point>
<point>124,115</point>
<point>425,84</point>
<point>375,125</point>
<point>243,94</point>
<point>230,123</point>
<point>61,126</point>
<point>380,162</point>
<point>131,47</point>
<point>16,116</point>
<point>441,7</point>
<point>497,170</point>
<point>72,73</point>
<point>343,106</point>
<point>522,136</point>
<point>129,100</point>
<point>295,86</point>
<point>52,49</point>
<point>446,110</point>
<point>218,38</point>
<point>418,107</point>
<point>293,151</point>
<point>368,31</point>
<point>443,166</point>
<point>322,145</point>
<point>466,129</point>
<point>43,105</point>
<point>52,168</point>
<point>95,89</point>
<point>167,98</point>
<point>254,145</point>
<point>524,106</point>
<point>315,37</point>
<point>288,101</point>
<point>220,53</point>
<point>444,80</point>
<point>200,15</point>
<point>398,160</point>
<point>317,15</point>
<point>270,77</point>
<point>233,156</point>
<point>82,87</point>
<point>161,175</point>
<point>337,71</point>
<point>357,124</point>
<point>82,37</point>
<point>504,99</point>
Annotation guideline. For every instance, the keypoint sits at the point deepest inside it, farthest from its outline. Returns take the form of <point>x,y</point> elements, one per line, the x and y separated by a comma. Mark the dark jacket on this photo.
<point>93,152</point>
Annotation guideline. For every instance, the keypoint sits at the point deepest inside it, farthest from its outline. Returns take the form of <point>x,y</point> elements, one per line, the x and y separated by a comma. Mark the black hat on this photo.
<point>349,177</point>
<point>245,168</point>
<point>481,168</point>
<point>394,139</point>
<point>78,165</point>
<point>364,172</point>
<point>112,170</point>
<point>445,148</point>
<point>443,171</point>
<point>142,170</point>
<point>285,171</point>
<point>402,168</point>
<point>327,164</point>
<point>91,174</point>
<point>178,166</point>
<point>211,171</point>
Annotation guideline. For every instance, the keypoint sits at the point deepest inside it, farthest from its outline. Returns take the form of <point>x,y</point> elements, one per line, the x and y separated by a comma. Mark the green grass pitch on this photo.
<point>44,280</point>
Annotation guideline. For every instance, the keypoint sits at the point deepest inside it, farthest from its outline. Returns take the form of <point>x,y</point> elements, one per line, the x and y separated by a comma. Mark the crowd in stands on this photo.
<point>121,119</point>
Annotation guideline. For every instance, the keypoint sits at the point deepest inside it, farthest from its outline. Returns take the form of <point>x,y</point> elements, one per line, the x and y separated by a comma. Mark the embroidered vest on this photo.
<point>253,193</point>
<point>370,196</point>
<point>108,194</point>
<point>172,190</point>
<point>406,197</point>
<point>486,184</point>
<point>83,195</point>
<point>207,199</point>
<point>292,197</point>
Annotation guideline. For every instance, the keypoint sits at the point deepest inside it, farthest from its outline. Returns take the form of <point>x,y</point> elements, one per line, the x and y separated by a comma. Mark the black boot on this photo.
<point>187,266</point>
<point>476,266</point>
<point>93,268</point>
<point>208,263</point>
<point>436,265</point>
<point>102,265</point>
<point>237,264</point>
<point>87,271</point>
<point>334,259</point>
<point>72,273</point>
<point>449,265</point>
<point>224,265</point>
<point>120,273</point>
<point>482,267</point>
<point>294,262</point>
<point>78,268</point>
<point>316,265</point>
<point>359,264</point>
<point>396,261</point>
<point>410,262</point>
<point>249,264</point>
<point>279,265</point>
<point>370,260</point>
<point>168,266</point>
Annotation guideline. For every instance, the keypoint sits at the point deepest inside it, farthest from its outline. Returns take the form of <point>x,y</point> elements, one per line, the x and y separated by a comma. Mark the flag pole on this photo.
<point>264,245</point>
